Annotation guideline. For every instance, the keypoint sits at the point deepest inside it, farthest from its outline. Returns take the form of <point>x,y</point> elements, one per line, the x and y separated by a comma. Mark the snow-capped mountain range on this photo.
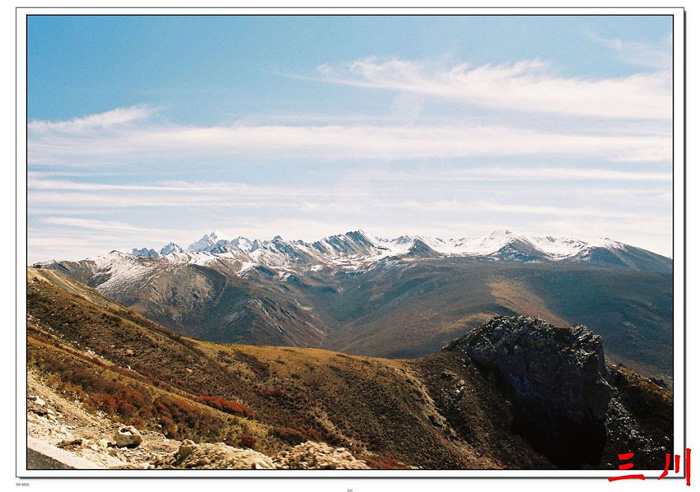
<point>358,250</point>
<point>354,291</point>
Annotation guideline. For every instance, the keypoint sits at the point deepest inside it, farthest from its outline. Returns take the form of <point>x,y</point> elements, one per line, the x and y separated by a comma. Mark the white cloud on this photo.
<point>100,121</point>
<point>356,188</point>
<point>146,141</point>
<point>78,195</point>
<point>536,200</point>
<point>424,197</point>
<point>530,86</point>
<point>527,173</point>
<point>555,211</point>
<point>654,56</point>
<point>95,225</point>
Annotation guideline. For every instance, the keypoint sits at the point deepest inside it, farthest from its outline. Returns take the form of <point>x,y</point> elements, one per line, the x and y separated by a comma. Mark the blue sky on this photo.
<point>144,130</point>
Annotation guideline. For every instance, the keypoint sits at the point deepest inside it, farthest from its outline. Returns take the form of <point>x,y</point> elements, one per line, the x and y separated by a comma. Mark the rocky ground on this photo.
<point>61,428</point>
<point>61,423</point>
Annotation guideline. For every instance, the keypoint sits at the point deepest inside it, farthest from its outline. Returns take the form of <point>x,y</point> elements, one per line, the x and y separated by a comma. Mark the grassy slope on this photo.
<point>410,310</point>
<point>413,312</point>
<point>215,304</point>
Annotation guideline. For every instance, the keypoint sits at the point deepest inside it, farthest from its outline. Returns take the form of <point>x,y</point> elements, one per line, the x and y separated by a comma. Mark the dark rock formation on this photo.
<point>557,380</point>
<point>556,371</point>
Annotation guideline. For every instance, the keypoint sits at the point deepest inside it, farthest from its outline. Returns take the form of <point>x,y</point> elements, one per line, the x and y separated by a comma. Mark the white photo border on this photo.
<point>679,242</point>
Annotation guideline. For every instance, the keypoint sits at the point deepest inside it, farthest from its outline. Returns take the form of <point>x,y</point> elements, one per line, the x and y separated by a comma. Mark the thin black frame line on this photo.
<point>48,477</point>
<point>349,15</point>
<point>214,15</point>
<point>359,8</point>
<point>685,235</point>
<point>17,9</point>
<point>26,205</point>
<point>17,246</point>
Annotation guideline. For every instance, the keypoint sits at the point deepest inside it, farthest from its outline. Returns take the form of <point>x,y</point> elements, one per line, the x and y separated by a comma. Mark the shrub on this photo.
<point>272,392</point>
<point>288,435</point>
<point>228,406</point>
<point>384,463</point>
<point>247,441</point>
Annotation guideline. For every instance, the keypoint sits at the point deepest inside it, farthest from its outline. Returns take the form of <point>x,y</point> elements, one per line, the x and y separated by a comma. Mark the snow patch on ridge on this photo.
<point>122,268</point>
<point>559,247</point>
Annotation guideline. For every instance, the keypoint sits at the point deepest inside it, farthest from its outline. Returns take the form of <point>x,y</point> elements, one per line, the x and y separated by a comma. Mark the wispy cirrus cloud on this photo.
<point>494,206</point>
<point>528,86</point>
<point>654,56</point>
<point>65,196</point>
<point>571,175</point>
<point>99,121</point>
<point>95,225</point>
<point>357,187</point>
<point>122,216</point>
<point>106,140</point>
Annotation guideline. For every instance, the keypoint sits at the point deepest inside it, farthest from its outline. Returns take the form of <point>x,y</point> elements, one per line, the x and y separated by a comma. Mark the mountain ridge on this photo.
<point>393,298</point>
<point>355,250</point>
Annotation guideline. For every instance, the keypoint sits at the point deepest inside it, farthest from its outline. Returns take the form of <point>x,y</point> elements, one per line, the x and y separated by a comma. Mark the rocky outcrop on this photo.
<point>306,456</point>
<point>37,405</point>
<point>320,456</point>
<point>554,379</point>
<point>554,372</point>
<point>127,437</point>
<point>218,457</point>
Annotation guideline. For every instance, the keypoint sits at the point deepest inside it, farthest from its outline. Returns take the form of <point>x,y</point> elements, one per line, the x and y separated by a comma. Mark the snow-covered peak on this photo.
<point>501,233</point>
<point>559,247</point>
<point>351,243</point>
<point>242,243</point>
<point>350,251</point>
<point>121,268</point>
<point>208,241</point>
<point>486,245</point>
<point>359,247</point>
<point>403,244</point>
<point>216,235</point>
<point>145,253</point>
<point>171,248</point>
<point>606,242</point>
<point>202,245</point>
<point>402,240</point>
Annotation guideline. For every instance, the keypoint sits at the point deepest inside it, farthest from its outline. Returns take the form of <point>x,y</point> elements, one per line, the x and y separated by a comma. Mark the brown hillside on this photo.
<point>391,413</point>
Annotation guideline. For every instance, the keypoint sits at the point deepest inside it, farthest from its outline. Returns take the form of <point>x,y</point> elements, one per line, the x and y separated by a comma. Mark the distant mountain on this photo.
<point>208,242</point>
<point>401,297</point>
<point>356,250</point>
